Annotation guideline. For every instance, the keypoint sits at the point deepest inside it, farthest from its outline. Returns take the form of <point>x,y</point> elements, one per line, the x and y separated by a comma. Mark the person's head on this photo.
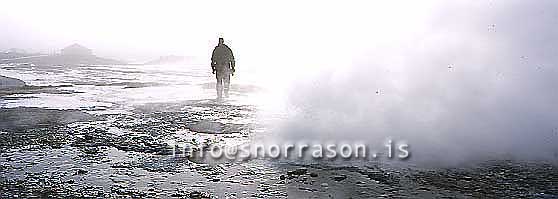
<point>221,41</point>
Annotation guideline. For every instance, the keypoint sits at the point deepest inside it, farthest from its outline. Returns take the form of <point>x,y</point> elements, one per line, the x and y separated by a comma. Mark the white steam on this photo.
<point>472,82</point>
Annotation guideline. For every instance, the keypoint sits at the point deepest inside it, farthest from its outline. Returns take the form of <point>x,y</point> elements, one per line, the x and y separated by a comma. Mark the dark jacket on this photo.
<point>222,55</point>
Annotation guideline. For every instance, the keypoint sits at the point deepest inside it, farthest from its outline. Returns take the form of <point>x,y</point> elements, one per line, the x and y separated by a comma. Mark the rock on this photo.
<point>339,178</point>
<point>81,171</point>
<point>88,137</point>
<point>324,184</point>
<point>297,172</point>
<point>313,175</point>
<point>8,82</point>
<point>197,194</point>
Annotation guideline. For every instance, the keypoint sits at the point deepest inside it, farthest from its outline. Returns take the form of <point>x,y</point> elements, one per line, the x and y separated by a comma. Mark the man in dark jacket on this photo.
<point>222,64</point>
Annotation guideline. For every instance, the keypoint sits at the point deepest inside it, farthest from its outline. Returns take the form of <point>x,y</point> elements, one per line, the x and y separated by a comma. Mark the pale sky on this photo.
<point>256,29</point>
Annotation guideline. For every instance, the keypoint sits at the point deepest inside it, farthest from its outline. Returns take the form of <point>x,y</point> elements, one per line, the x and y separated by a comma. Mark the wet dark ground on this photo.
<point>73,153</point>
<point>69,153</point>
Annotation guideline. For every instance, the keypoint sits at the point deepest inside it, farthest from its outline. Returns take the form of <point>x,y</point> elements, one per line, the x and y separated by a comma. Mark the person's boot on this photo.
<point>226,93</point>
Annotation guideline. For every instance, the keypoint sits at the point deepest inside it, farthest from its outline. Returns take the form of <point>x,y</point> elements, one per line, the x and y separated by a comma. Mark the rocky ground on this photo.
<point>55,153</point>
<point>92,152</point>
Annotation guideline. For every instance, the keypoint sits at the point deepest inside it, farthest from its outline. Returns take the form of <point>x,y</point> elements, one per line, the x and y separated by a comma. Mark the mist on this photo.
<point>457,81</point>
<point>346,99</point>
<point>464,83</point>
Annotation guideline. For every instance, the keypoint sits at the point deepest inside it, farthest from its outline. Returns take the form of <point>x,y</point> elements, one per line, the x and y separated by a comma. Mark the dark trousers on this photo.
<point>223,76</point>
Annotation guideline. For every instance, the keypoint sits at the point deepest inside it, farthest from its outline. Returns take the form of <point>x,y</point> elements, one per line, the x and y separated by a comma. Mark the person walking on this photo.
<point>222,64</point>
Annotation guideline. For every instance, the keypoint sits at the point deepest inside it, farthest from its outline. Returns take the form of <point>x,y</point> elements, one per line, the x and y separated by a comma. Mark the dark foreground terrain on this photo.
<point>94,152</point>
<point>69,153</point>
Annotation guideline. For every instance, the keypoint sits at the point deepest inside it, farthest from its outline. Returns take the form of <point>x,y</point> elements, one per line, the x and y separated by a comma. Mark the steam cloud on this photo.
<point>480,82</point>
